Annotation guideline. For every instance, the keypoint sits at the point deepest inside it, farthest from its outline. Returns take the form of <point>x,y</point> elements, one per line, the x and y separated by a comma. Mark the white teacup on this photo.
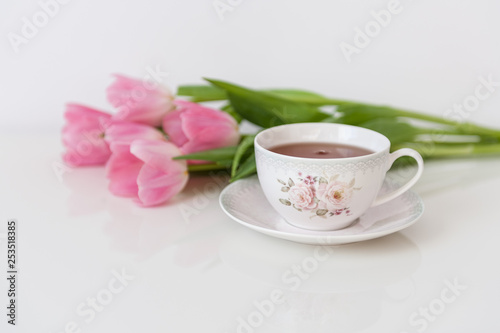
<point>331,193</point>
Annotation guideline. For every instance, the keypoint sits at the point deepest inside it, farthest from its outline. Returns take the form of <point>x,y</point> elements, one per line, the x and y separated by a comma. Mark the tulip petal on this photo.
<point>160,178</point>
<point>208,130</point>
<point>157,187</point>
<point>126,132</point>
<point>194,127</point>
<point>82,136</point>
<point>139,101</point>
<point>172,125</point>
<point>122,170</point>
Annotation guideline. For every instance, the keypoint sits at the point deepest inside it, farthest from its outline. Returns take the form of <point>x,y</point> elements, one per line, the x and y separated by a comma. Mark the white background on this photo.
<point>202,274</point>
<point>427,58</point>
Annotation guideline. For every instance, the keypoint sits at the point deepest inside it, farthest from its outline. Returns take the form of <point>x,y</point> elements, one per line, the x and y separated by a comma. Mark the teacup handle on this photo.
<point>392,157</point>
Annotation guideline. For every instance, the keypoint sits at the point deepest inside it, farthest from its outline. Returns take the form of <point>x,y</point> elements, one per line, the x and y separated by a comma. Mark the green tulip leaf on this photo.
<point>243,147</point>
<point>355,114</point>
<point>265,109</point>
<point>249,167</point>
<point>300,96</point>
<point>395,130</point>
<point>214,155</point>
<point>202,93</point>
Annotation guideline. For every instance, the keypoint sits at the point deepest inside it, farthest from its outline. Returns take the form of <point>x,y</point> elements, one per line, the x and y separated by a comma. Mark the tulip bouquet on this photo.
<point>154,140</point>
<point>133,144</point>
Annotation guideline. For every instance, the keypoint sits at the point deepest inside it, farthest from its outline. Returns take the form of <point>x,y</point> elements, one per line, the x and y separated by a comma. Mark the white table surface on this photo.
<point>205,273</point>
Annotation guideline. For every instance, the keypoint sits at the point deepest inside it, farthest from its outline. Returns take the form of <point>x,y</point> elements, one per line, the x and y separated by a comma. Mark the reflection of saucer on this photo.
<point>245,203</point>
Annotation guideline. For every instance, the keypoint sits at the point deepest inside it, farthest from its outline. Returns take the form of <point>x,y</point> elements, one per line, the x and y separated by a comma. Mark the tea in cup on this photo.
<point>323,176</point>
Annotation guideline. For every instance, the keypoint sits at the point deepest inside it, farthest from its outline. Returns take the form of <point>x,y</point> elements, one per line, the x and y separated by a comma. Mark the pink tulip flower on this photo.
<point>193,127</point>
<point>139,101</point>
<point>145,171</point>
<point>126,132</point>
<point>83,136</point>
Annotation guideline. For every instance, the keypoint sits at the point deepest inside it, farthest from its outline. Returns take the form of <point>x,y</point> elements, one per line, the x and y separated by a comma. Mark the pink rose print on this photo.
<point>324,198</point>
<point>336,195</point>
<point>302,196</point>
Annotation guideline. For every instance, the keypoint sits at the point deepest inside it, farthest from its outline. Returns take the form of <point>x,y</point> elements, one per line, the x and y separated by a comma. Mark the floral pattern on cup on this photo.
<point>318,195</point>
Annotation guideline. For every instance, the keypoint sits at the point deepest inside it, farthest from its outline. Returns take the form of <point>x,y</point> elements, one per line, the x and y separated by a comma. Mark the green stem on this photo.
<point>441,135</point>
<point>438,131</point>
<point>432,149</point>
<point>206,167</point>
<point>464,127</point>
<point>209,93</point>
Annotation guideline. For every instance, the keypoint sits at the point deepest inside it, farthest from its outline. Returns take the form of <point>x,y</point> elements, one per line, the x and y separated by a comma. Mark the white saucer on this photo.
<point>245,203</point>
